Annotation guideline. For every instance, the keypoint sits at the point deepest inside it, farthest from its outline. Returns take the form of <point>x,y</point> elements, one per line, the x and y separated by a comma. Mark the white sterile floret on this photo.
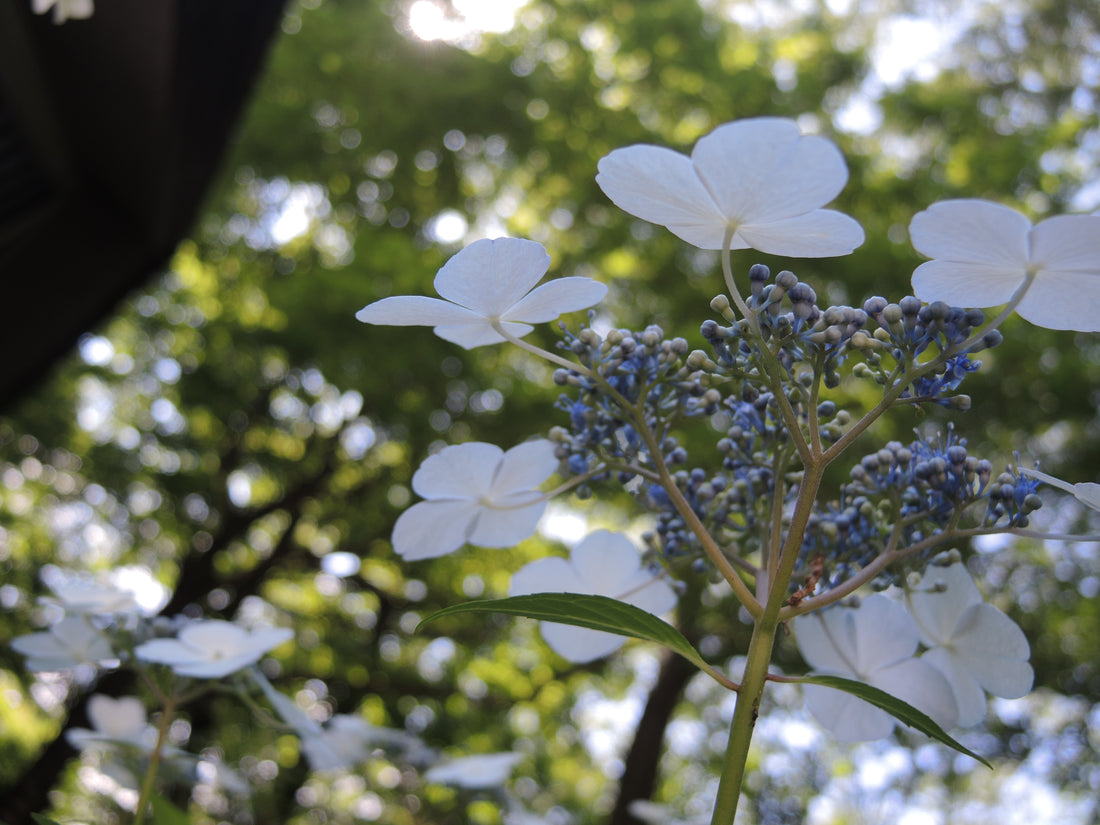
<point>475,493</point>
<point>603,564</point>
<point>488,770</point>
<point>211,649</point>
<point>761,178</point>
<point>984,252</point>
<point>79,594</point>
<point>490,281</point>
<point>1086,492</point>
<point>976,646</point>
<point>873,644</point>
<point>119,721</point>
<point>66,645</point>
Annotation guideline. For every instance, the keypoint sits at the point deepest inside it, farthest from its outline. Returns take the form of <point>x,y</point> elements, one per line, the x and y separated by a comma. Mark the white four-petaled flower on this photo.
<point>873,644</point>
<point>475,493</point>
<point>983,252</point>
<point>69,643</point>
<point>211,649</point>
<point>976,646</point>
<point>761,178</point>
<point>489,282</point>
<point>603,564</point>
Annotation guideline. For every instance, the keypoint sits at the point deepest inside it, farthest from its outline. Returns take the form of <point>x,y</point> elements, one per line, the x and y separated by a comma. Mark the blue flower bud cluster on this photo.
<point>645,369</point>
<point>909,328</point>
<point>924,487</point>
<point>789,317</point>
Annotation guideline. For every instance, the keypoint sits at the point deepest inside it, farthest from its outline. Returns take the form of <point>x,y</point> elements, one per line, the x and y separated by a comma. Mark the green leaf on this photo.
<point>902,711</point>
<point>594,612</point>
<point>165,813</point>
<point>41,820</point>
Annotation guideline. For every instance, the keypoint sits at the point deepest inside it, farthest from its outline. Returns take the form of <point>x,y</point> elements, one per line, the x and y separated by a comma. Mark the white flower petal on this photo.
<point>479,333</point>
<point>434,528</point>
<point>1088,493</point>
<point>165,652</point>
<point>921,685</point>
<point>483,771</point>
<point>491,276</point>
<point>885,634</point>
<point>1063,300</point>
<point>822,233</point>
<point>547,302</point>
<point>123,718</point>
<point>604,560</point>
<point>416,310</point>
<point>826,640</point>
<point>549,575</point>
<point>459,471</point>
<point>995,651</point>
<point>966,284</point>
<point>848,718</point>
<point>505,528</point>
<point>938,611</point>
<point>764,169</point>
<point>972,231</point>
<point>524,467</point>
<point>661,186</point>
<point>1068,244</point>
<point>579,644</point>
<point>969,696</point>
<point>214,634</point>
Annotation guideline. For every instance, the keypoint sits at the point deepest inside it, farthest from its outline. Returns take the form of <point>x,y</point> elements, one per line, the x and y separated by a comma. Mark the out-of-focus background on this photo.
<point>229,428</point>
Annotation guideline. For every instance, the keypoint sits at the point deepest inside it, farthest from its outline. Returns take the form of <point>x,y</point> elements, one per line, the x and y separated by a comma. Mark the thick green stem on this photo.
<point>760,653</point>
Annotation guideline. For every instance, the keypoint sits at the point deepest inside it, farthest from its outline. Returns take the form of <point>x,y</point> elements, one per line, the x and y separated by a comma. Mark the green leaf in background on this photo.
<point>41,820</point>
<point>593,612</point>
<point>900,710</point>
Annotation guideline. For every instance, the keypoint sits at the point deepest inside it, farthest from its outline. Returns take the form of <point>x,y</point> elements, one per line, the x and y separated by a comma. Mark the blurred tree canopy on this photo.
<point>233,426</point>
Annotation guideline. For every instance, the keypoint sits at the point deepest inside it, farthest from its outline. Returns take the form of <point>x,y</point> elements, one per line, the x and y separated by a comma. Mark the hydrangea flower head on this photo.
<point>211,649</point>
<point>603,564</point>
<point>490,281</point>
<point>976,646</point>
<point>873,644</point>
<point>760,177</point>
<point>475,493</point>
<point>983,253</point>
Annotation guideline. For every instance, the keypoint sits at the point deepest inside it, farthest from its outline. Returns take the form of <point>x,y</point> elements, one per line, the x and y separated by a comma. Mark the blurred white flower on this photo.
<point>346,740</point>
<point>984,252</point>
<point>873,644</point>
<point>760,177</point>
<point>67,644</point>
<point>1086,492</point>
<point>488,281</point>
<point>211,649</point>
<point>85,595</point>
<point>64,9</point>
<point>603,564</point>
<point>488,770</point>
<point>653,813</point>
<point>976,646</point>
<point>119,721</point>
<point>475,493</point>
